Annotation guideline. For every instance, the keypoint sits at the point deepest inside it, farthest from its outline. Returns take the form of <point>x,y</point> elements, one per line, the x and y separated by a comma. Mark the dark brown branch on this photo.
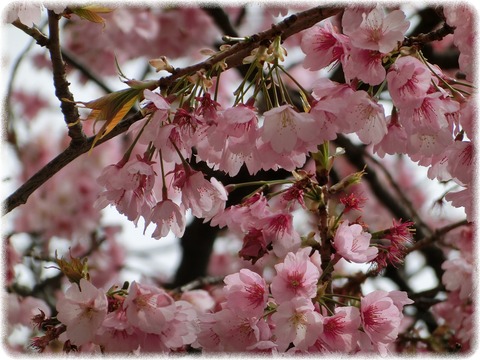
<point>435,35</point>
<point>62,91</point>
<point>235,55</point>
<point>21,195</point>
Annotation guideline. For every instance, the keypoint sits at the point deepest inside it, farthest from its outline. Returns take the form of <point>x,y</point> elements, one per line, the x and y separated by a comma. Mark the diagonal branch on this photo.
<point>21,195</point>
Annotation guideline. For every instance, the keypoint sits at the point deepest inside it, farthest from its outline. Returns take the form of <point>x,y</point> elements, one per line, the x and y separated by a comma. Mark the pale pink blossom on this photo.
<point>458,276</point>
<point>182,329</point>
<point>246,293</point>
<point>271,159</point>
<point>322,46</point>
<point>287,130</point>
<point>200,299</point>
<point>28,13</point>
<point>205,198</point>
<point>82,310</point>
<point>245,216</point>
<point>462,18</point>
<point>237,333</point>
<point>379,31</point>
<point>129,186</point>
<point>394,141</point>
<point>149,308</point>
<point>353,244</point>
<point>427,143</point>
<point>21,310</point>
<point>297,322</point>
<point>409,79</point>
<point>167,215</point>
<point>296,276</point>
<point>457,314</point>
<point>327,108</point>
<point>381,315</point>
<point>463,198</point>
<point>117,335</point>
<point>366,117</point>
<point>340,331</point>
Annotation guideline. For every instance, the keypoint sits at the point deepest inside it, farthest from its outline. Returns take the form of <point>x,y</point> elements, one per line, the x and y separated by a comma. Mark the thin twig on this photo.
<point>437,234</point>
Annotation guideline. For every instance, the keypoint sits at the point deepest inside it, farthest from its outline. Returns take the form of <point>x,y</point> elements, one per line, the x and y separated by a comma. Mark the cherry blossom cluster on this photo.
<point>292,294</point>
<point>287,315</point>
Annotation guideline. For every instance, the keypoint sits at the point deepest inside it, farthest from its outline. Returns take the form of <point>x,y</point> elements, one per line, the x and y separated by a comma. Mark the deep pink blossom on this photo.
<point>365,65</point>
<point>322,46</point>
<point>381,315</point>
<point>279,231</point>
<point>246,293</point>
<point>340,331</point>
<point>296,276</point>
<point>408,82</point>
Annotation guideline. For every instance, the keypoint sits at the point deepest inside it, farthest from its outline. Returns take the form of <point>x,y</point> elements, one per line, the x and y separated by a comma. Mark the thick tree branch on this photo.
<point>62,91</point>
<point>21,195</point>
<point>234,56</point>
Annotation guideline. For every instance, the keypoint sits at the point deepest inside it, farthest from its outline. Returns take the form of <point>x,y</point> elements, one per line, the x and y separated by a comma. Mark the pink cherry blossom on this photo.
<point>203,197</point>
<point>432,114</point>
<point>200,299</point>
<point>246,293</point>
<point>117,335</point>
<point>237,333</point>
<point>463,198</point>
<point>461,161</point>
<point>362,64</point>
<point>379,31</point>
<point>408,82</point>
<point>296,276</point>
<point>149,308</point>
<point>458,277</point>
<point>353,244</point>
<point>82,310</point>
<point>381,315</point>
<point>278,230</point>
<point>322,46</point>
<point>395,141</point>
<point>128,186</point>
<point>366,117</point>
<point>297,322</point>
<point>285,130</point>
<point>167,215</point>
<point>340,331</point>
